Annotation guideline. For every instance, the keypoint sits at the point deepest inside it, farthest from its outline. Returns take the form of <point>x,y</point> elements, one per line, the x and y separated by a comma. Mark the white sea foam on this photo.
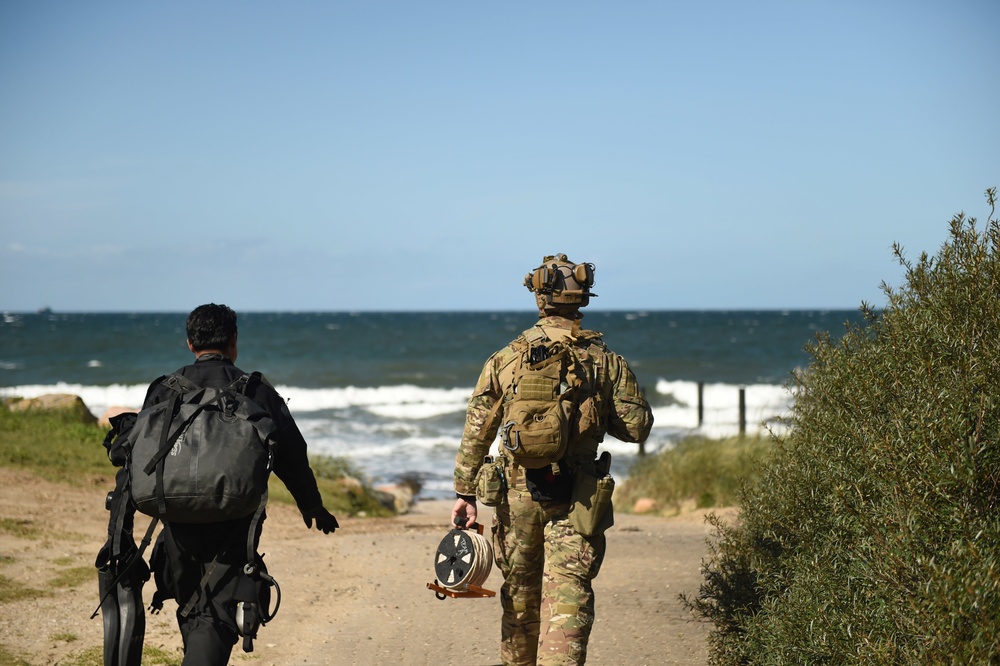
<point>416,411</point>
<point>422,402</point>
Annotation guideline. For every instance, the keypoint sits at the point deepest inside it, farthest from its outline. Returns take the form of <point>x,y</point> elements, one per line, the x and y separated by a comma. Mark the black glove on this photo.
<point>326,522</point>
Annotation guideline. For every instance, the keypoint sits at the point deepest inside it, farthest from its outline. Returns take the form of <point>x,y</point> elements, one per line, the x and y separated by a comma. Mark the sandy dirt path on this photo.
<point>357,597</point>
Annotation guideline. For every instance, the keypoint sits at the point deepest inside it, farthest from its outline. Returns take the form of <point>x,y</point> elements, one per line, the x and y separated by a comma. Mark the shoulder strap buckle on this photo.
<point>180,383</point>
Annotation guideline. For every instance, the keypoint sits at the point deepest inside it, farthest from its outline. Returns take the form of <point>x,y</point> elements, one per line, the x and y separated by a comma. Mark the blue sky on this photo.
<point>426,155</point>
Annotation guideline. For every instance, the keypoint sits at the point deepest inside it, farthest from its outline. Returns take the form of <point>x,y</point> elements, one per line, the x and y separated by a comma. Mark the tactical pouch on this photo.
<point>491,482</point>
<point>591,511</point>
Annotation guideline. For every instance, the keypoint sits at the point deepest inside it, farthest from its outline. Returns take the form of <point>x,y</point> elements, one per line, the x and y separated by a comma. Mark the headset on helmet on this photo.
<point>561,281</point>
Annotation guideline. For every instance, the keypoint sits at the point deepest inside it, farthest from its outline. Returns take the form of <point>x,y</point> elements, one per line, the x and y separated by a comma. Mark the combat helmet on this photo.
<point>560,285</point>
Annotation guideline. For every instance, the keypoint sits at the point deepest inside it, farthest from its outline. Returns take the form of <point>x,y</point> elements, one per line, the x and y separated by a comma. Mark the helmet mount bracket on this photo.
<point>561,281</point>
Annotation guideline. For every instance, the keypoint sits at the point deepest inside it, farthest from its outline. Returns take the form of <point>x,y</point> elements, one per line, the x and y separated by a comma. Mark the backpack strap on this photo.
<point>521,346</point>
<point>157,462</point>
<point>255,377</point>
<point>489,419</point>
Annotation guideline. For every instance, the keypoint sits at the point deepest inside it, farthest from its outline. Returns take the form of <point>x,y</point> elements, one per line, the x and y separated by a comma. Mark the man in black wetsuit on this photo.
<point>209,627</point>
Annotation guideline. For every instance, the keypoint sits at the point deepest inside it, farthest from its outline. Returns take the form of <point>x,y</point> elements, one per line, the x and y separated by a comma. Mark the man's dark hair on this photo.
<point>211,326</point>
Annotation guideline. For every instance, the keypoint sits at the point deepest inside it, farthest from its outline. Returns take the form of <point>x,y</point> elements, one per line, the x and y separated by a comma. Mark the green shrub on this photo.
<point>873,533</point>
<point>703,472</point>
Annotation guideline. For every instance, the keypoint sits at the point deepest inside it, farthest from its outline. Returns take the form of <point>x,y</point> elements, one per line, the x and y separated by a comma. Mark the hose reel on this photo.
<point>462,563</point>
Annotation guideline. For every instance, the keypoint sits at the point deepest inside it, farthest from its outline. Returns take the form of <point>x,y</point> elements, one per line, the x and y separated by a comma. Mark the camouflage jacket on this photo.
<point>625,414</point>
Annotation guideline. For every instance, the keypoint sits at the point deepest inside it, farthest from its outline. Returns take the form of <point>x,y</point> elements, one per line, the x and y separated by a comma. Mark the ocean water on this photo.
<point>388,390</point>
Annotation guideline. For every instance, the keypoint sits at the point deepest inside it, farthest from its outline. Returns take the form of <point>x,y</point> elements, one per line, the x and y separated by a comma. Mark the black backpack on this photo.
<point>201,456</point>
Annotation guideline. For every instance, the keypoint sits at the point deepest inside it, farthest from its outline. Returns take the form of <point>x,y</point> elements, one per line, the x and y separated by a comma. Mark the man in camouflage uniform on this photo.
<point>539,551</point>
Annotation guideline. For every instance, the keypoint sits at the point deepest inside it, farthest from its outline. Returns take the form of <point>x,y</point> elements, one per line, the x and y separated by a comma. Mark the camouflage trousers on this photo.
<point>548,568</point>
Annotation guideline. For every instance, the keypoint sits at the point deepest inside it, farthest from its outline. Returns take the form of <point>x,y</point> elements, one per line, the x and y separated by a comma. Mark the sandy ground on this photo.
<point>357,597</point>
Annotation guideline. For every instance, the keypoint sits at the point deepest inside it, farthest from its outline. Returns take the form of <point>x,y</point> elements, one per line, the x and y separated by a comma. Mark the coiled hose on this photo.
<point>464,558</point>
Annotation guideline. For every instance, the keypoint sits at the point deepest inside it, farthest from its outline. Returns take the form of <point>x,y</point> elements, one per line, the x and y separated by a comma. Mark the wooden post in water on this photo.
<point>701,404</point>
<point>743,411</point>
<point>642,445</point>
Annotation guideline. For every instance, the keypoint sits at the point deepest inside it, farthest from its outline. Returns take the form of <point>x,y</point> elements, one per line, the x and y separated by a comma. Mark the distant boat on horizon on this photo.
<point>44,310</point>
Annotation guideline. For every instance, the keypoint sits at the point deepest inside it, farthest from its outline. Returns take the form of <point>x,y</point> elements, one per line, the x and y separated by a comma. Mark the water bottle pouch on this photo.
<point>591,511</point>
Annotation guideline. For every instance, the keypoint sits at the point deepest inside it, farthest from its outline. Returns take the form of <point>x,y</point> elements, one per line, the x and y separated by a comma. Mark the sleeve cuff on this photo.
<point>471,499</point>
<point>312,511</point>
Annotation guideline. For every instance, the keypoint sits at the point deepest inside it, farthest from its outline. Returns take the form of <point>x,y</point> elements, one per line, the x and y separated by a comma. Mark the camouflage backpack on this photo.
<point>551,404</point>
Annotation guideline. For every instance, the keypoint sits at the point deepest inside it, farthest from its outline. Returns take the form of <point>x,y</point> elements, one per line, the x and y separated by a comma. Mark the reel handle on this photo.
<point>460,523</point>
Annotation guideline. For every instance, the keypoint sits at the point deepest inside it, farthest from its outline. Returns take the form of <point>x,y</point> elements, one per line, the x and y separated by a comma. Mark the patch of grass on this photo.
<point>11,590</point>
<point>73,577</point>
<point>11,659</point>
<point>705,472</point>
<point>7,559</point>
<point>24,529</point>
<point>334,467</point>
<point>54,445</point>
<point>64,636</point>
<point>93,656</point>
<point>151,656</point>
<point>159,657</point>
<point>64,561</point>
